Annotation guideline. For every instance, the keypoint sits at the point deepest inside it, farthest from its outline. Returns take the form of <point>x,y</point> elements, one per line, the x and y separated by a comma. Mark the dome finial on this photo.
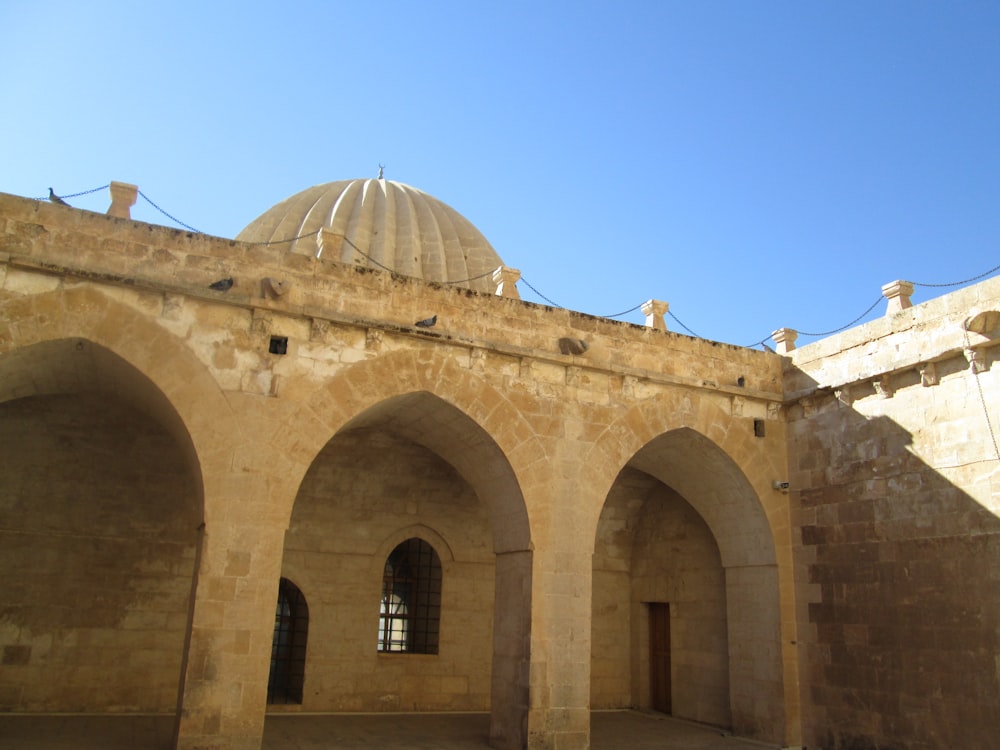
<point>381,169</point>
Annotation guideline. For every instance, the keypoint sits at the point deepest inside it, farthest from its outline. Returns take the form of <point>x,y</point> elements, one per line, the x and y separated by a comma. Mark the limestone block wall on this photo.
<point>98,519</point>
<point>612,642</point>
<point>520,448</point>
<point>896,495</point>
<point>334,315</point>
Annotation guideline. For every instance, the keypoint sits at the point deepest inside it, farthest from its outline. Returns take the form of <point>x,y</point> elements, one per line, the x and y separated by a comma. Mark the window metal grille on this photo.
<point>288,647</point>
<point>410,610</point>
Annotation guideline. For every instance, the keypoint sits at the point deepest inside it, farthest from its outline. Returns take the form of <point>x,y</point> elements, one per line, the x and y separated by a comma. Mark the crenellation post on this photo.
<point>330,243</point>
<point>506,279</point>
<point>654,310</point>
<point>784,338</point>
<point>123,197</point>
<point>898,293</point>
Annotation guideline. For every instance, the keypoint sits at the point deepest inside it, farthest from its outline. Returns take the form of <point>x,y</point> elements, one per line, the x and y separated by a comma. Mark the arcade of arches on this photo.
<point>455,519</point>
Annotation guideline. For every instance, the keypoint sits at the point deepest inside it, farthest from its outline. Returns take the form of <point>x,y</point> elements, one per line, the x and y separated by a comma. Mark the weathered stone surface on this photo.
<point>899,533</point>
<point>165,464</point>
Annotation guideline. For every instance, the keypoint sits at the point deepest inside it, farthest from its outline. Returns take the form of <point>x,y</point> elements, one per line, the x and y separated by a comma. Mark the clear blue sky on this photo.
<point>756,164</point>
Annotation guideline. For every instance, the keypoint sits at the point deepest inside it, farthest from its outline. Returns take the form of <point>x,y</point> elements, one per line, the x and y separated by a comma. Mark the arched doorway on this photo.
<point>685,576</point>
<point>659,623</point>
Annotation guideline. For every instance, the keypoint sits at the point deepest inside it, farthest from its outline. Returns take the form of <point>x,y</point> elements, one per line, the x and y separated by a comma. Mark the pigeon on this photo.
<point>223,285</point>
<point>56,199</point>
<point>427,322</point>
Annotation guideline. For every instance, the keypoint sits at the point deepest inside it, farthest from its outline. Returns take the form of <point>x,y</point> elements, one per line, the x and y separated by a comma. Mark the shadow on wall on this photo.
<point>899,565</point>
<point>100,510</point>
<point>98,537</point>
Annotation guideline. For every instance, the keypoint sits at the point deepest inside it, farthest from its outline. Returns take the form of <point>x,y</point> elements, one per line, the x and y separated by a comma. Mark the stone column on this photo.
<point>224,681</point>
<point>785,338</point>
<point>511,651</point>
<point>561,602</point>
<point>559,716</point>
<point>654,310</point>
<point>756,681</point>
<point>123,197</point>
<point>506,279</point>
<point>898,293</point>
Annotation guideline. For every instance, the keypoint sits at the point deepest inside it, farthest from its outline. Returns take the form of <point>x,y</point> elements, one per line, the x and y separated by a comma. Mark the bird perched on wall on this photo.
<point>427,322</point>
<point>222,285</point>
<point>572,346</point>
<point>56,199</point>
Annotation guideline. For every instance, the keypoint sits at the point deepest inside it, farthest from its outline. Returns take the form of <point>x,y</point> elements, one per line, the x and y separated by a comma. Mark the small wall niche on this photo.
<point>278,345</point>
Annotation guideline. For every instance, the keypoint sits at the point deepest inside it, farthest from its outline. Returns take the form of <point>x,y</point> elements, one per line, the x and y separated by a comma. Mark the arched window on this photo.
<point>410,612</point>
<point>288,648</point>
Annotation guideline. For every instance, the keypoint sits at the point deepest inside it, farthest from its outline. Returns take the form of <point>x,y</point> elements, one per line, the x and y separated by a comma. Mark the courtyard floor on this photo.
<point>610,730</point>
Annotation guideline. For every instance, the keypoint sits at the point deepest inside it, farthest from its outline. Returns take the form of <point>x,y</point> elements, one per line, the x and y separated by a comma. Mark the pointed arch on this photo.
<point>697,449</point>
<point>410,603</point>
<point>451,411</point>
<point>84,338</point>
<point>419,531</point>
<point>429,399</point>
<point>671,432</point>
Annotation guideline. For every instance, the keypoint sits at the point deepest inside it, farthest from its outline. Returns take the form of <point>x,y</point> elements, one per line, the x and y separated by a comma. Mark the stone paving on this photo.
<point>610,730</point>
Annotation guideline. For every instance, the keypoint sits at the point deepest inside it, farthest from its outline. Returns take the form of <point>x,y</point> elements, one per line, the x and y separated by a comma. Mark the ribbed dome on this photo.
<point>397,226</point>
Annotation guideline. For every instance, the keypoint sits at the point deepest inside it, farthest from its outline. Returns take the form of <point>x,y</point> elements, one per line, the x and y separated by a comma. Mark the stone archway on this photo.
<point>100,509</point>
<point>675,479</point>
<point>417,417</point>
<point>370,488</point>
<point>121,351</point>
<point>161,375</point>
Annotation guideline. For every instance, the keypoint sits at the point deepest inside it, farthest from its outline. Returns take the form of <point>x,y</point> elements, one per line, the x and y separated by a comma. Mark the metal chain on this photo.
<point>959,283</point>
<point>86,192</point>
<point>677,320</point>
<point>176,221</point>
<point>843,328</point>
<point>366,255</point>
<point>77,195</point>
<point>282,242</point>
<point>539,293</point>
<point>618,315</point>
<point>474,278</point>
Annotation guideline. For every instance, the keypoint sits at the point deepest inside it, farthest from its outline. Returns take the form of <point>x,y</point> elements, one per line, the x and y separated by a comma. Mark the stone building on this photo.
<point>283,495</point>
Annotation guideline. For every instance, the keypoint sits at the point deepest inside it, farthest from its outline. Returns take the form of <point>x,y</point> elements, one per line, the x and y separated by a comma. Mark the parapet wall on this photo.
<point>928,334</point>
<point>40,237</point>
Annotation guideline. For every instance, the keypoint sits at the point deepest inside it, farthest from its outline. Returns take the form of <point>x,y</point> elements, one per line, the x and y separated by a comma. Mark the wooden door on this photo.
<point>659,656</point>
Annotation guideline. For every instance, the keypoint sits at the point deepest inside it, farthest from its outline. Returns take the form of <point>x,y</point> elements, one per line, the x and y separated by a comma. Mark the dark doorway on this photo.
<point>659,656</point>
